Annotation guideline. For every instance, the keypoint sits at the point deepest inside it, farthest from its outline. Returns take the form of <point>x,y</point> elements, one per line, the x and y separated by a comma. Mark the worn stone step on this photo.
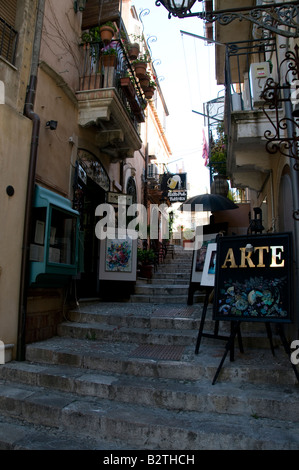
<point>163,299</point>
<point>262,401</point>
<point>104,332</point>
<point>129,315</point>
<point>162,289</point>
<point>16,434</point>
<point>166,361</point>
<point>167,275</point>
<point>168,317</point>
<point>151,428</point>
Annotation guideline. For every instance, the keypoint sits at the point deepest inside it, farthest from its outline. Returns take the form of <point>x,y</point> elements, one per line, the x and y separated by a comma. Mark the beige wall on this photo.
<point>14,158</point>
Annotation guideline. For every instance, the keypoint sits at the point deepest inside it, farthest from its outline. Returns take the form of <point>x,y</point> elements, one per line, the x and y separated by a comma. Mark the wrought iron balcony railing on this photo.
<point>8,41</point>
<point>109,66</point>
<point>248,65</point>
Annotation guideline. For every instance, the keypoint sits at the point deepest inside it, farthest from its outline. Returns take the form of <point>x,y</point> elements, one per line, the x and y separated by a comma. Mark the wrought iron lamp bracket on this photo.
<point>273,17</point>
<point>274,95</point>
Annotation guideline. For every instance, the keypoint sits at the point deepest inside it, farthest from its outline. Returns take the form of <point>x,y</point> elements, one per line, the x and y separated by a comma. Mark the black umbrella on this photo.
<point>210,202</point>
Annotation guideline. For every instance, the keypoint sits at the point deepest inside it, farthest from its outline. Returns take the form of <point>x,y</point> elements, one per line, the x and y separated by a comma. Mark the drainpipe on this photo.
<point>28,112</point>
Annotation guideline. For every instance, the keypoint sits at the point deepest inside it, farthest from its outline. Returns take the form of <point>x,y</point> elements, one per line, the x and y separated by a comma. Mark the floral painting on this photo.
<point>119,255</point>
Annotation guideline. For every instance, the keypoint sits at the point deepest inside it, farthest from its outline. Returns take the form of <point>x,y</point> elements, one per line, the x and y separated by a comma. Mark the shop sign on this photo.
<point>174,186</point>
<point>94,169</point>
<point>253,280</point>
<point>177,196</point>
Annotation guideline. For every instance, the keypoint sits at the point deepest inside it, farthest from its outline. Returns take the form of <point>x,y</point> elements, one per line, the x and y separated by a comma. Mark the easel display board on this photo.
<point>253,279</point>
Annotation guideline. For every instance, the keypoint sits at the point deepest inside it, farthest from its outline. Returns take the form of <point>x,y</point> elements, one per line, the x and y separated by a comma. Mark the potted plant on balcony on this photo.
<point>109,56</point>
<point>140,65</point>
<point>145,260</point>
<point>217,162</point>
<point>144,81</point>
<point>150,90</point>
<point>107,31</point>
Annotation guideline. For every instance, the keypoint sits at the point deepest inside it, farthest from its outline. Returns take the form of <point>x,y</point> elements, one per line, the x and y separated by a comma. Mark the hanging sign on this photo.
<point>174,186</point>
<point>254,278</point>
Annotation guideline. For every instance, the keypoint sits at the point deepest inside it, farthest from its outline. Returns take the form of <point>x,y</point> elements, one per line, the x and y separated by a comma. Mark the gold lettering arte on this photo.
<point>230,259</point>
<point>277,256</point>
<point>261,249</point>
<point>246,261</point>
<point>246,257</point>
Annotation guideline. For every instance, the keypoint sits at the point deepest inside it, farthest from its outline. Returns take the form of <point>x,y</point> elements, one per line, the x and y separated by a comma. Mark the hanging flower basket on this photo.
<point>144,82</point>
<point>133,50</point>
<point>149,92</point>
<point>140,69</point>
<point>107,33</point>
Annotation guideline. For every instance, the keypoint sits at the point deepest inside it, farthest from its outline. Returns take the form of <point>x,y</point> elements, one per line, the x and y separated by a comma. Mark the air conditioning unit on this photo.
<point>259,72</point>
<point>152,171</point>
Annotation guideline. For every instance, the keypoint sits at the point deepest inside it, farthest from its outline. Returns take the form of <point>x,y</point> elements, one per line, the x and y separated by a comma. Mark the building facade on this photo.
<point>257,62</point>
<point>96,117</point>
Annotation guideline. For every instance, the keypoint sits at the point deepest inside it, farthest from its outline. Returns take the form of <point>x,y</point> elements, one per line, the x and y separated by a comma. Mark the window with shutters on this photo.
<point>8,34</point>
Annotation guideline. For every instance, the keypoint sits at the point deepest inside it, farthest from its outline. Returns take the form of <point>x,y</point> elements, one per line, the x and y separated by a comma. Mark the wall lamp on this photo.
<point>79,5</point>
<point>280,18</point>
<point>51,125</point>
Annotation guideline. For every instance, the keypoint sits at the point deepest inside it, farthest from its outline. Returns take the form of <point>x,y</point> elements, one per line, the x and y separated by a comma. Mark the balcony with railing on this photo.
<point>112,97</point>
<point>8,41</point>
<point>248,65</point>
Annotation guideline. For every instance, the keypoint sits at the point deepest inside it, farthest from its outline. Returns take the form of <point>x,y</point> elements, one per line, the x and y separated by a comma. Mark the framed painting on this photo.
<point>118,258</point>
<point>254,278</point>
<point>209,269</point>
<point>199,256</point>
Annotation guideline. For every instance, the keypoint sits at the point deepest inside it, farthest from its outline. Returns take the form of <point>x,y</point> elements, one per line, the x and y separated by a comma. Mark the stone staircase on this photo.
<point>124,376</point>
<point>170,282</point>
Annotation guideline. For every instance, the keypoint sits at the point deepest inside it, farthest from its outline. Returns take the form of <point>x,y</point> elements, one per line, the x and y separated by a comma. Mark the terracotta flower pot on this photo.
<point>149,92</point>
<point>106,34</point>
<point>140,69</point>
<point>144,82</point>
<point>133,51</point>
<point>109,60</point>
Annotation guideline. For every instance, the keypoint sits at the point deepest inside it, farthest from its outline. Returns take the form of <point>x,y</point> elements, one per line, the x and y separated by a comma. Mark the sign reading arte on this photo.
<point>253,279</point>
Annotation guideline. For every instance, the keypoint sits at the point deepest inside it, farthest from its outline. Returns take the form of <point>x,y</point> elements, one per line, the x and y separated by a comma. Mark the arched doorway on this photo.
<point>91,184</point>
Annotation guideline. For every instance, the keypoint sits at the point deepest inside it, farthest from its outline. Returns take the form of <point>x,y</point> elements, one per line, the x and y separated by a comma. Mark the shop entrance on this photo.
<point>91,184</point>
<point>88,284</point>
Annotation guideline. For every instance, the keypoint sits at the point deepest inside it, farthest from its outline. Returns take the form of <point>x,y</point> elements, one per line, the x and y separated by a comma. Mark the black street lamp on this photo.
<point>177,7</point>
<point>279,18</point>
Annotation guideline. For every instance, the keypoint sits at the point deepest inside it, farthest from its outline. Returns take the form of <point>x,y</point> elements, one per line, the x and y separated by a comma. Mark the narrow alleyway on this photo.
<point>124,376</point>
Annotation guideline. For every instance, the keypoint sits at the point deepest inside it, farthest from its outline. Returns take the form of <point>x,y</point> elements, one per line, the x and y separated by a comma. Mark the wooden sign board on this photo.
<point>253,279</point>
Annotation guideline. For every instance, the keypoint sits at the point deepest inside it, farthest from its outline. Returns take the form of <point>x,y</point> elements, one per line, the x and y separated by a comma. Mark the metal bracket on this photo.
<point>272,18</point>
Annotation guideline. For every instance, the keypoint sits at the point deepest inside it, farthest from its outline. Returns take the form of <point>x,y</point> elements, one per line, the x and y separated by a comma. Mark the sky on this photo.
<point>185,69</point>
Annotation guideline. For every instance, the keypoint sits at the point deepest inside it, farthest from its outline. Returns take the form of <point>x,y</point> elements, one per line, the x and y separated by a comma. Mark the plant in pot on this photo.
<point>107,31</point>
<point>109,55</point>
<point>145,260</point>
<point>144,81</point>
<point>140,65</point>
<point>133,47</point>
<point>150,90</point>
<point>217,162</point>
